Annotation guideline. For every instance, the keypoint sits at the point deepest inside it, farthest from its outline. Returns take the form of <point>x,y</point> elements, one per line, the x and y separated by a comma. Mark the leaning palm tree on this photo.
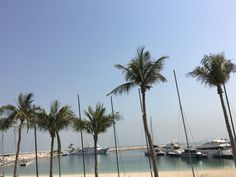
<point>20,115</point>
<point>142,72</point>
<point>215,71</point>
<point>98,122</point>
<point>57,119</point>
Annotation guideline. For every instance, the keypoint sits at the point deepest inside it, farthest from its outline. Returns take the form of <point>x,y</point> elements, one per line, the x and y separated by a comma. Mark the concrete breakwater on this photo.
<point>8,159</point>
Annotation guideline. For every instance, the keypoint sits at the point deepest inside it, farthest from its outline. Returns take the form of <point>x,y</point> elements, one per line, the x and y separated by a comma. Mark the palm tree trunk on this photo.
<point>219,90</point>
<point>95,156</point>
<point>51,156</point>
<point>150,143</point>
<point>58,153</point>
<point>17,150</point>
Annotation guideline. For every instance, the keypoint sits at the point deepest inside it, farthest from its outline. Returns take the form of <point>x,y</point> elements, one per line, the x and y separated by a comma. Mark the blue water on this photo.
<point>130,161</point>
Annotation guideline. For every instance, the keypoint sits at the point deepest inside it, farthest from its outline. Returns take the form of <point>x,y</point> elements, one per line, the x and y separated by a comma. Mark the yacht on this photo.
<point>89,150</point>
<point>173,149</point>
<point>158,151</point>
<point>194,153</point>
<point>215,147</point>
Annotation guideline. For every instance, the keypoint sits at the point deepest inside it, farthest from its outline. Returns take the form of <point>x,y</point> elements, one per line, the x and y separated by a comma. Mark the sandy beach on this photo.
<point>225,172</point>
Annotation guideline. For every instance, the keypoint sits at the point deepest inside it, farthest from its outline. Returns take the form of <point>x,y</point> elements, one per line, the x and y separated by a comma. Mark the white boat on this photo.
<point>173,149</point>
<point>158,151</point>
<point>214,147</point>
<point>25,163</point>
<point>89,150</point>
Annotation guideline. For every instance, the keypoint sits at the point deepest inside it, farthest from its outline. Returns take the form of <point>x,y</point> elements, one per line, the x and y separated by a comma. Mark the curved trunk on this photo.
<point>51,156</point>
<point>232,142</point>
<point>17,150</point>
<point>150,143</point>
<point>58,153</point>
<point>95,156</point>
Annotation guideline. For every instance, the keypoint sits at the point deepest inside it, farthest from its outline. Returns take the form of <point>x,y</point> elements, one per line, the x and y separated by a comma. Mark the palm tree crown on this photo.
<point>141,71</point>
<point>214,70</point>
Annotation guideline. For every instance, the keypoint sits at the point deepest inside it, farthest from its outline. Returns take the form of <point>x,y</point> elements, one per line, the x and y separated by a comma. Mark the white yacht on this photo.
<point>213,147</point>
<point>89,150</point>
<point>173,149</point>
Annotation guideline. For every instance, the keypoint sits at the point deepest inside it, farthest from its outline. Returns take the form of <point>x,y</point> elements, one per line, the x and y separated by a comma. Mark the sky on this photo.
<point>57,49</point>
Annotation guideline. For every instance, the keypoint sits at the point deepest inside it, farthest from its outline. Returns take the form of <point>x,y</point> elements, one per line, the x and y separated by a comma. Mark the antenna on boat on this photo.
<point>81,138</point>
<point>185,131</point>
<point>114,130</point>
<point>230,115</point>
<point>148,149</point>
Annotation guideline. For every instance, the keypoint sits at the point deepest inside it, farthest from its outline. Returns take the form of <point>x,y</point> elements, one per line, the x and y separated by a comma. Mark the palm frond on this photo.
<point>122,88</point>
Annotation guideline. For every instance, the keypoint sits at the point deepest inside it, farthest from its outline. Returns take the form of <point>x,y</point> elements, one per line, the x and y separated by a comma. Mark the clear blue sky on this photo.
<point>57,49</point>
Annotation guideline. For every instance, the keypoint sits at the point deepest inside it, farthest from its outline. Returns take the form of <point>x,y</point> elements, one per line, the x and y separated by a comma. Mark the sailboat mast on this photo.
<point>81,138</point>
<point>114,130</point>
<point>3,161</point>
<point>230,115</point>
<point>185,131</point>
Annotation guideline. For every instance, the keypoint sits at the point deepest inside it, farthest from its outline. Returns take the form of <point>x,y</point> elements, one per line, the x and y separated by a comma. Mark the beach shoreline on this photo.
<point>223,172</point>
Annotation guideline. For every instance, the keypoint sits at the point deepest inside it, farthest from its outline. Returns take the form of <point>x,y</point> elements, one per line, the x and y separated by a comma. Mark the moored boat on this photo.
<point>215,147</point>
<point>89,150</point>
<point>173,149</point>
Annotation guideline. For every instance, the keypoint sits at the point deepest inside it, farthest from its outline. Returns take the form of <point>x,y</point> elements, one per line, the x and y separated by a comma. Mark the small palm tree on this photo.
<point>22,113</point>
<point>4,126</point>
<point>98,122</point>
<point>142,72</point>
<point>215,71</point>
<point>57,119</point>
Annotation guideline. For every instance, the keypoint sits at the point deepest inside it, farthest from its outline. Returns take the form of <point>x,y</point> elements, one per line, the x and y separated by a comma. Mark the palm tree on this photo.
<point>57,119</point>
<point>23,112</point>
<point>142,72</point>
<point>98,122</point>
<point>215,71</point>
<point>4,126</point>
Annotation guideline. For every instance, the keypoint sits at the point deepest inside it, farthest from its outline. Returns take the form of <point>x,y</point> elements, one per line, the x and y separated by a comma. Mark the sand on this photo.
<point>225,172</point>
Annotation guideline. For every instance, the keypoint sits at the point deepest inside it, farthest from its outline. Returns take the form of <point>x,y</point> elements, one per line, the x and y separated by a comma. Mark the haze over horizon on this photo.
<point>57,49</point>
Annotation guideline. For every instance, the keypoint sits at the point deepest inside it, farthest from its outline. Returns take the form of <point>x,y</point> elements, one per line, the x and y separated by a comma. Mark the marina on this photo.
<point>130,161</point>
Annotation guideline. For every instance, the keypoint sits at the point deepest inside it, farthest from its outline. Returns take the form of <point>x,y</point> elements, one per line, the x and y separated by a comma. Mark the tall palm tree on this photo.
<point>142,72</point>
<point>98,122</point>
<point>20,115</point>
<point>215,71</point>
<point>57,119</point>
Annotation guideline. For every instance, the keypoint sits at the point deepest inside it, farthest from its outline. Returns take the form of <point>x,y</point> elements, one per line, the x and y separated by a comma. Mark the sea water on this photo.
<point>129,161</point>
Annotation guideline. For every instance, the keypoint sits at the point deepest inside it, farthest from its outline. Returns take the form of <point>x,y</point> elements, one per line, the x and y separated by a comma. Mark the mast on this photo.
<point>36,151</point>
<point>3,165</point>
<point>230,115</point>
<point>114,130</point>
<point>81,138</point>
<point>185,131</point>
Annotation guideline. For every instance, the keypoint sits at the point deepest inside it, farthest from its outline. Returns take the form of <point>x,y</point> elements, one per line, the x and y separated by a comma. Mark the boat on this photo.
<point>25,163</point>
<point>215,147</point>
<point>194,153</point>
<point>173,149</point>
<point>89,150</point>
<point>224,154</point>
<point>158,151</point>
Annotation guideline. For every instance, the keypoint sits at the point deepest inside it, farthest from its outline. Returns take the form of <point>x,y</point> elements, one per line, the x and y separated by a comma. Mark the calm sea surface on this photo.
<point>130,161</point>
